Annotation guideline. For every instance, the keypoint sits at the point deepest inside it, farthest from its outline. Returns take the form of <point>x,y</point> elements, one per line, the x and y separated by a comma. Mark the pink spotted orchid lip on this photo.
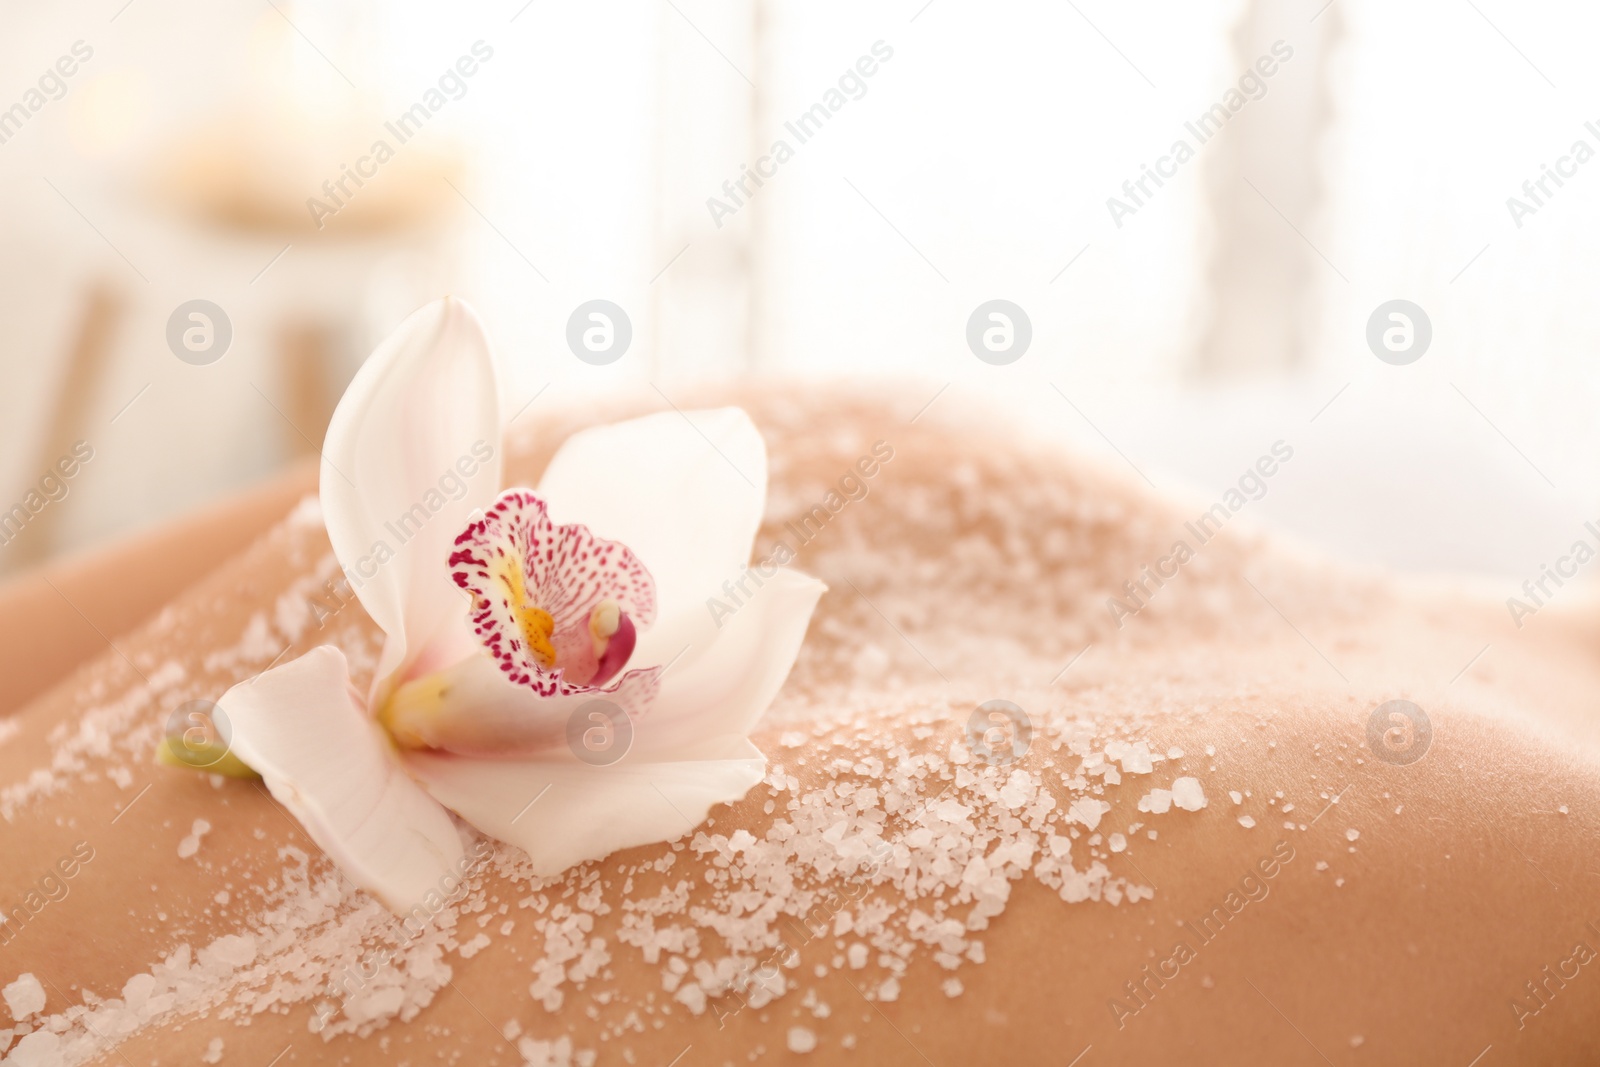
<point>557,607</point>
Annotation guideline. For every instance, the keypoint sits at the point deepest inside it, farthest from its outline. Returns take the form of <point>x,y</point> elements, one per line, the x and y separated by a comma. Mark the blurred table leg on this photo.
<point>86,362</point>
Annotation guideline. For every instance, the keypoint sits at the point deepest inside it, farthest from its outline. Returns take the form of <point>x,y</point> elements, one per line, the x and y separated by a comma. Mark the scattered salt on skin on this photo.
<point>128,717</point>
<point>1117,843</point>
<point>191,844</point>
<point>1246,821</point>
<point>953,987</point>
<point>25,997</point>
<point>1352,834</point>
<point>937,838</point>
<point>1236,796</point>
<point>213,1053</point>
<point>801,1039</point>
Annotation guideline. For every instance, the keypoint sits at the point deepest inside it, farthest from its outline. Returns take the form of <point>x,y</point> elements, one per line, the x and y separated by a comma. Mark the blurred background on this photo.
<point>313,171</point>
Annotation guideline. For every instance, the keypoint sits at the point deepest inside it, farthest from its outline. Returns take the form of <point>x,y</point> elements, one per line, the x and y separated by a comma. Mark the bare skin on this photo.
<point>1447,906</point>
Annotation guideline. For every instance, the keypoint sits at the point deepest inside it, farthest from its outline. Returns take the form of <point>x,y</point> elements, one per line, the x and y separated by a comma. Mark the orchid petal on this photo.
<point>564,811</point>
<point>412,452</point>
<point>684,491</point>
<point>300,726</point>
<point>745,657</point>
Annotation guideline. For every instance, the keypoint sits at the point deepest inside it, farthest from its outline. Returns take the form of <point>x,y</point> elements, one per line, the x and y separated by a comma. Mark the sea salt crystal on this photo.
<point>191,844</point>
<point>1187,794</point>
<point>1135,757</point>
<point>213,1053</point>
<point>227,953</point>
<point>1352,834</point>
<point>801,1039</point>
<point>1236,796</point>
<point>857,954</point>
<point>557,1053</point>
<point>1118,843</point>
<point>1088,811</point>
<point>792,739</point>
<point>24,997</point>
<point>39,1049</point>
<point>1246,821</point>
<point>953,987</point>
<point>691,996</point>
<point>1158,801</point>
<point>1018,790</point>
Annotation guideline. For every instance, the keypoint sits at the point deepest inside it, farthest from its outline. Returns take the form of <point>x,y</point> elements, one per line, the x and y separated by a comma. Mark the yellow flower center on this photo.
<point>536,624</point>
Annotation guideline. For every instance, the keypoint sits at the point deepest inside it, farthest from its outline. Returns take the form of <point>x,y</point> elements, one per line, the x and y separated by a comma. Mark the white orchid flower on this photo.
<point>503,628</point>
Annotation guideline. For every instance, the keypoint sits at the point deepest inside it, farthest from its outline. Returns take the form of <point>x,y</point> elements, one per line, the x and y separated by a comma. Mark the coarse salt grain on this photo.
<point>801,1039</point>
<point>1157,801</point>
<point>25,997</point>
<point>1187,794</point>
<point>191,844</point>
